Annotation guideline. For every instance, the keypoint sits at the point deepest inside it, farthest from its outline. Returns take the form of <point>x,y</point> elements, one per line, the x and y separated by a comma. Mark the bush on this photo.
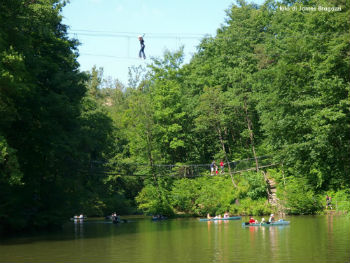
<point>213,195</point>
<point>184,195</point>
<point>154,200</point>
<point>299,197</point>
<point>340,200</point>
<point>257,186</point>
<point>252,207</point>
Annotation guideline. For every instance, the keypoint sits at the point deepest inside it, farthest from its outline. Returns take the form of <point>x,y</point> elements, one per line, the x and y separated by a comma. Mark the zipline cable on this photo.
<point>101,33</point>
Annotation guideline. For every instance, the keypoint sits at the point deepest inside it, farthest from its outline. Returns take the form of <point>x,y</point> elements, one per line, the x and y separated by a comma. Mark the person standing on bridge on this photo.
<point>213,167</point>
<point>142,50</point>
<point>222,165</point>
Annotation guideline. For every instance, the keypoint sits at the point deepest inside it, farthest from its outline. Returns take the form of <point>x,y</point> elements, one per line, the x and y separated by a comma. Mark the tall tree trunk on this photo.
<point>284,180</point>
<point>151,162</point>
<point>227,136</point>
<point>150,157</point>
<point>226,159</point>
<point>249,124</point>
<point>268,191</point>
<point>148,125</point>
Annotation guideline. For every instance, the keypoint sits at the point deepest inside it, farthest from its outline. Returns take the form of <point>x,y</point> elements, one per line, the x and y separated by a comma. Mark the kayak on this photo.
<point>159,218</point>
<point>227,218</point>
<point>119,220</point>
<point>276,223</point>
<point>78,219</point>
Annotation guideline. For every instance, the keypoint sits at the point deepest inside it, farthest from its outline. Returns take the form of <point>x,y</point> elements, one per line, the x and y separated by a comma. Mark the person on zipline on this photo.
<point>142,50</point>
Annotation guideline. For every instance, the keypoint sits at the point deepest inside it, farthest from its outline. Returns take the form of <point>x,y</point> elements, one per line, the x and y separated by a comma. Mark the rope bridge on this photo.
<point>179,170</point>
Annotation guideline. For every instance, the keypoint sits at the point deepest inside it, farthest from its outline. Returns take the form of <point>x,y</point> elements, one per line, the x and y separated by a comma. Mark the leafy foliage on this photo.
<point>155,199</point>
<point>51,131</point>
<point>299,197</point>
<point>269,83</point>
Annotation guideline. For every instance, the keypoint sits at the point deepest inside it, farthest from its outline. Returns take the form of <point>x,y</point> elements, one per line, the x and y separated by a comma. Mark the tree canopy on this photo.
<point>270,82</point>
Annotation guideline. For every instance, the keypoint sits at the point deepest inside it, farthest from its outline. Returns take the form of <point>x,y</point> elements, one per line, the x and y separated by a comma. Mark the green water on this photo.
<point>307,239</point>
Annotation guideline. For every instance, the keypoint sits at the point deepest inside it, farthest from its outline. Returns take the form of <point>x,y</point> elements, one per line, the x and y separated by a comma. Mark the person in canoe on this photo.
<point>208,216</point>
<point>226,215</point>
<point>272,218</point>
<point>251,220</point>
<point>218,217</point>
<point>159,217</point>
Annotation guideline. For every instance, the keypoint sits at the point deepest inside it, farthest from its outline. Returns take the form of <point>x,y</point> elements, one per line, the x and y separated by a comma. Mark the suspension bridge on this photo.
<point>180,170</point>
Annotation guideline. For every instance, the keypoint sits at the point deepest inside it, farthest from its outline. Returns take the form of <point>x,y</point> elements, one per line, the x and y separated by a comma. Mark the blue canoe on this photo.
<point>159,218</point>
<point>216,219</point>
<point>276,223</point>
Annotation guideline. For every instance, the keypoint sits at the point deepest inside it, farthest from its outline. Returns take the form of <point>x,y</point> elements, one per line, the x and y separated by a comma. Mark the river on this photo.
<point>309,239</point>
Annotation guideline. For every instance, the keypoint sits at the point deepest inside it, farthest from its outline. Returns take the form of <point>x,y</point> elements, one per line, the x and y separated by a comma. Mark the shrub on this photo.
<point>257,186</point>
<point>184,195</point>
<point>154,200</point>
<point>299,197</point>
<point>252,207</point>
<point>340,200</point>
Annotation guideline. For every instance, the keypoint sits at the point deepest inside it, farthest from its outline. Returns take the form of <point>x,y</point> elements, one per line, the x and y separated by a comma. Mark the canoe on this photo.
<point>78,219</point>
<point>276,223</point>
<point>216,219</point>
<point>159,218</point>
<point>119,220</point>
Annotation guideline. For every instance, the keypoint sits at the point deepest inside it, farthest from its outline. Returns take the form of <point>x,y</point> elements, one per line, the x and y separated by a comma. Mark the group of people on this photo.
<point>159,217</point>
<point>226,215</point>
<point>113,215</point>
<point>214,168</point>
<point>78,217</point>
<point>271,220</point>
<point>115,218</point>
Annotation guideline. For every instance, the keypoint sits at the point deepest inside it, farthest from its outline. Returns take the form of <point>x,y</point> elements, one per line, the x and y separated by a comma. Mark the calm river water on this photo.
<point>310,239</point>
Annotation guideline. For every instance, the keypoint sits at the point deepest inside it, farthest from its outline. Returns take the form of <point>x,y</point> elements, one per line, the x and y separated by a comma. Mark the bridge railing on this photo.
<point>184,170</point>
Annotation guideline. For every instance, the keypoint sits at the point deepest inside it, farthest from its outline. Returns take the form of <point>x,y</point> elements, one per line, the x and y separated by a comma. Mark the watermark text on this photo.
<point>311,8</point>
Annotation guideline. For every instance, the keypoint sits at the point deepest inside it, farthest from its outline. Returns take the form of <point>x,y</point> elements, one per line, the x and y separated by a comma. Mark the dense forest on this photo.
<point>272,82</point>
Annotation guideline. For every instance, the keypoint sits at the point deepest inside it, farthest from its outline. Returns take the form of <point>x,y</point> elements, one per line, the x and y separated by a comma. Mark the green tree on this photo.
<point>167,98</point>
<point>44,129</point>
<point>304,105</point>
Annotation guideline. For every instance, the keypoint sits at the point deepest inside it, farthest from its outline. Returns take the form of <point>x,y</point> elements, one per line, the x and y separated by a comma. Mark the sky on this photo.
<point>108,29</point>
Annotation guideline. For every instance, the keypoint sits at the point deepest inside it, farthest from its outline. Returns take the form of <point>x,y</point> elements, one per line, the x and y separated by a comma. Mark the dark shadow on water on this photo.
<point>95,228</point>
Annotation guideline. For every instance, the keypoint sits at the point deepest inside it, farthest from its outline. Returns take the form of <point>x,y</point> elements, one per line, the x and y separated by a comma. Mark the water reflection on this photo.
<point>273,239</point>
<point>78,228</point>
<point>269,241</point>
<point>263,234</point>
<point>215,241</point>
<point>306,240</point>
<point>329,220</point>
